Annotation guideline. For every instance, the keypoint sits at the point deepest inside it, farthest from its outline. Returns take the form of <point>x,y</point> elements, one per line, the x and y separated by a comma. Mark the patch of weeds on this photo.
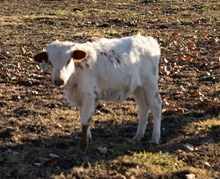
<point>59,12</point>
<point>123,147</point>
<point>203,127</point>
<point>148,163</point>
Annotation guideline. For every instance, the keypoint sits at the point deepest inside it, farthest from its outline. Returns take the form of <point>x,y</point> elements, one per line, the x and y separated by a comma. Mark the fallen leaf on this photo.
<point>207,165</point>
<point>188,58</point>
<point>198,93</point>
<point>188,147</point>
<point>175,36</point>
<point>167,72</point>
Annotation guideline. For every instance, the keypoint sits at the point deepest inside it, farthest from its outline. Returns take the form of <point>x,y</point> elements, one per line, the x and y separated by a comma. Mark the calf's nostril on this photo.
<point>58,82</point>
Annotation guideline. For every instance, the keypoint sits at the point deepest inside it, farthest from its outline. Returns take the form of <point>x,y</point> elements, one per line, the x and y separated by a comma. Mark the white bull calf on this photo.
<point>108,69</point>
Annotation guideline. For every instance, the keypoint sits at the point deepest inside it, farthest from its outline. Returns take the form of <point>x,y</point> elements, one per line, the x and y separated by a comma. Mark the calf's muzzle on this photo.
<point>58,82</point>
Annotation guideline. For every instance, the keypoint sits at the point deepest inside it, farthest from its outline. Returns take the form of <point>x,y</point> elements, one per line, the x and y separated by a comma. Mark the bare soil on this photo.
<point>40,132</point>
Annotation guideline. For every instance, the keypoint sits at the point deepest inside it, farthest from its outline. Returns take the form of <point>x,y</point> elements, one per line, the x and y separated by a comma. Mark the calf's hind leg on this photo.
<point>155,103</point>
<point>143,111</point>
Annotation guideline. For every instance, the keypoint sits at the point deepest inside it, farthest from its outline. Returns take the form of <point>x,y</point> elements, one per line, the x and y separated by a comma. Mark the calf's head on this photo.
<point>61,58</point>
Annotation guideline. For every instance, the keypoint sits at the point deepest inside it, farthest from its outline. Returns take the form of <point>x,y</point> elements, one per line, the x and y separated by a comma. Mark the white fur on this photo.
<point>114,70</point>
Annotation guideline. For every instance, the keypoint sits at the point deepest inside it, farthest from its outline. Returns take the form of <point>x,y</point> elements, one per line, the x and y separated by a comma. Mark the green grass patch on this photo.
<point>150,163</point>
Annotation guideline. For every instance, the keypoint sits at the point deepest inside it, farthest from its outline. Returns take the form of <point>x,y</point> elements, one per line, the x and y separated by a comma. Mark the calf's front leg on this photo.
<point>85,138</point>
<point>86,112</point>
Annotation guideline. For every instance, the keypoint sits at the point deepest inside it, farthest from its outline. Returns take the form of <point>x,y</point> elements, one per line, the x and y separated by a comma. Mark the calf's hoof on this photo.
<point>137,139</point>
<point>155,140</point>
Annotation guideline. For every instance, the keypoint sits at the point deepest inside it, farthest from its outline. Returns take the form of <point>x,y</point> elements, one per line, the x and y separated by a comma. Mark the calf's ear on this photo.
<point>40,57</point>
<point>79,55</point>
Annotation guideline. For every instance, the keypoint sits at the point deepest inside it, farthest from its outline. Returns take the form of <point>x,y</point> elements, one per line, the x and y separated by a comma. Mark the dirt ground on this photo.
<point>40,132</point>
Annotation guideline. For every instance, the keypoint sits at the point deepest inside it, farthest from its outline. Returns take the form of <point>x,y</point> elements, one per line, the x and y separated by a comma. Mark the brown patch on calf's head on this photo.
<point>40,57</point>
<point>79,55</point>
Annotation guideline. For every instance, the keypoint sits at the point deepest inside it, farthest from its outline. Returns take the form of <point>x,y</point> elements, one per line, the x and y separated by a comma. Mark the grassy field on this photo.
<point>40,133</point>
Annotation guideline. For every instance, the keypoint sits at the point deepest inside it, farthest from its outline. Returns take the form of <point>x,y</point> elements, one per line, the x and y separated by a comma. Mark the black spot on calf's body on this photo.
<point>118,60</point>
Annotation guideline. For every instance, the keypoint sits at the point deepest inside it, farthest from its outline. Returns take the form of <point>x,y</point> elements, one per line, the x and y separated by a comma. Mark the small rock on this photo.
<point>207,165</point>
<point>102,150</point>
<point>59,125</point>
<point>34,92</point>
<point>188,147</point>
<point>190,176</point>
<point>52,155</point>
<point>38,164</point>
